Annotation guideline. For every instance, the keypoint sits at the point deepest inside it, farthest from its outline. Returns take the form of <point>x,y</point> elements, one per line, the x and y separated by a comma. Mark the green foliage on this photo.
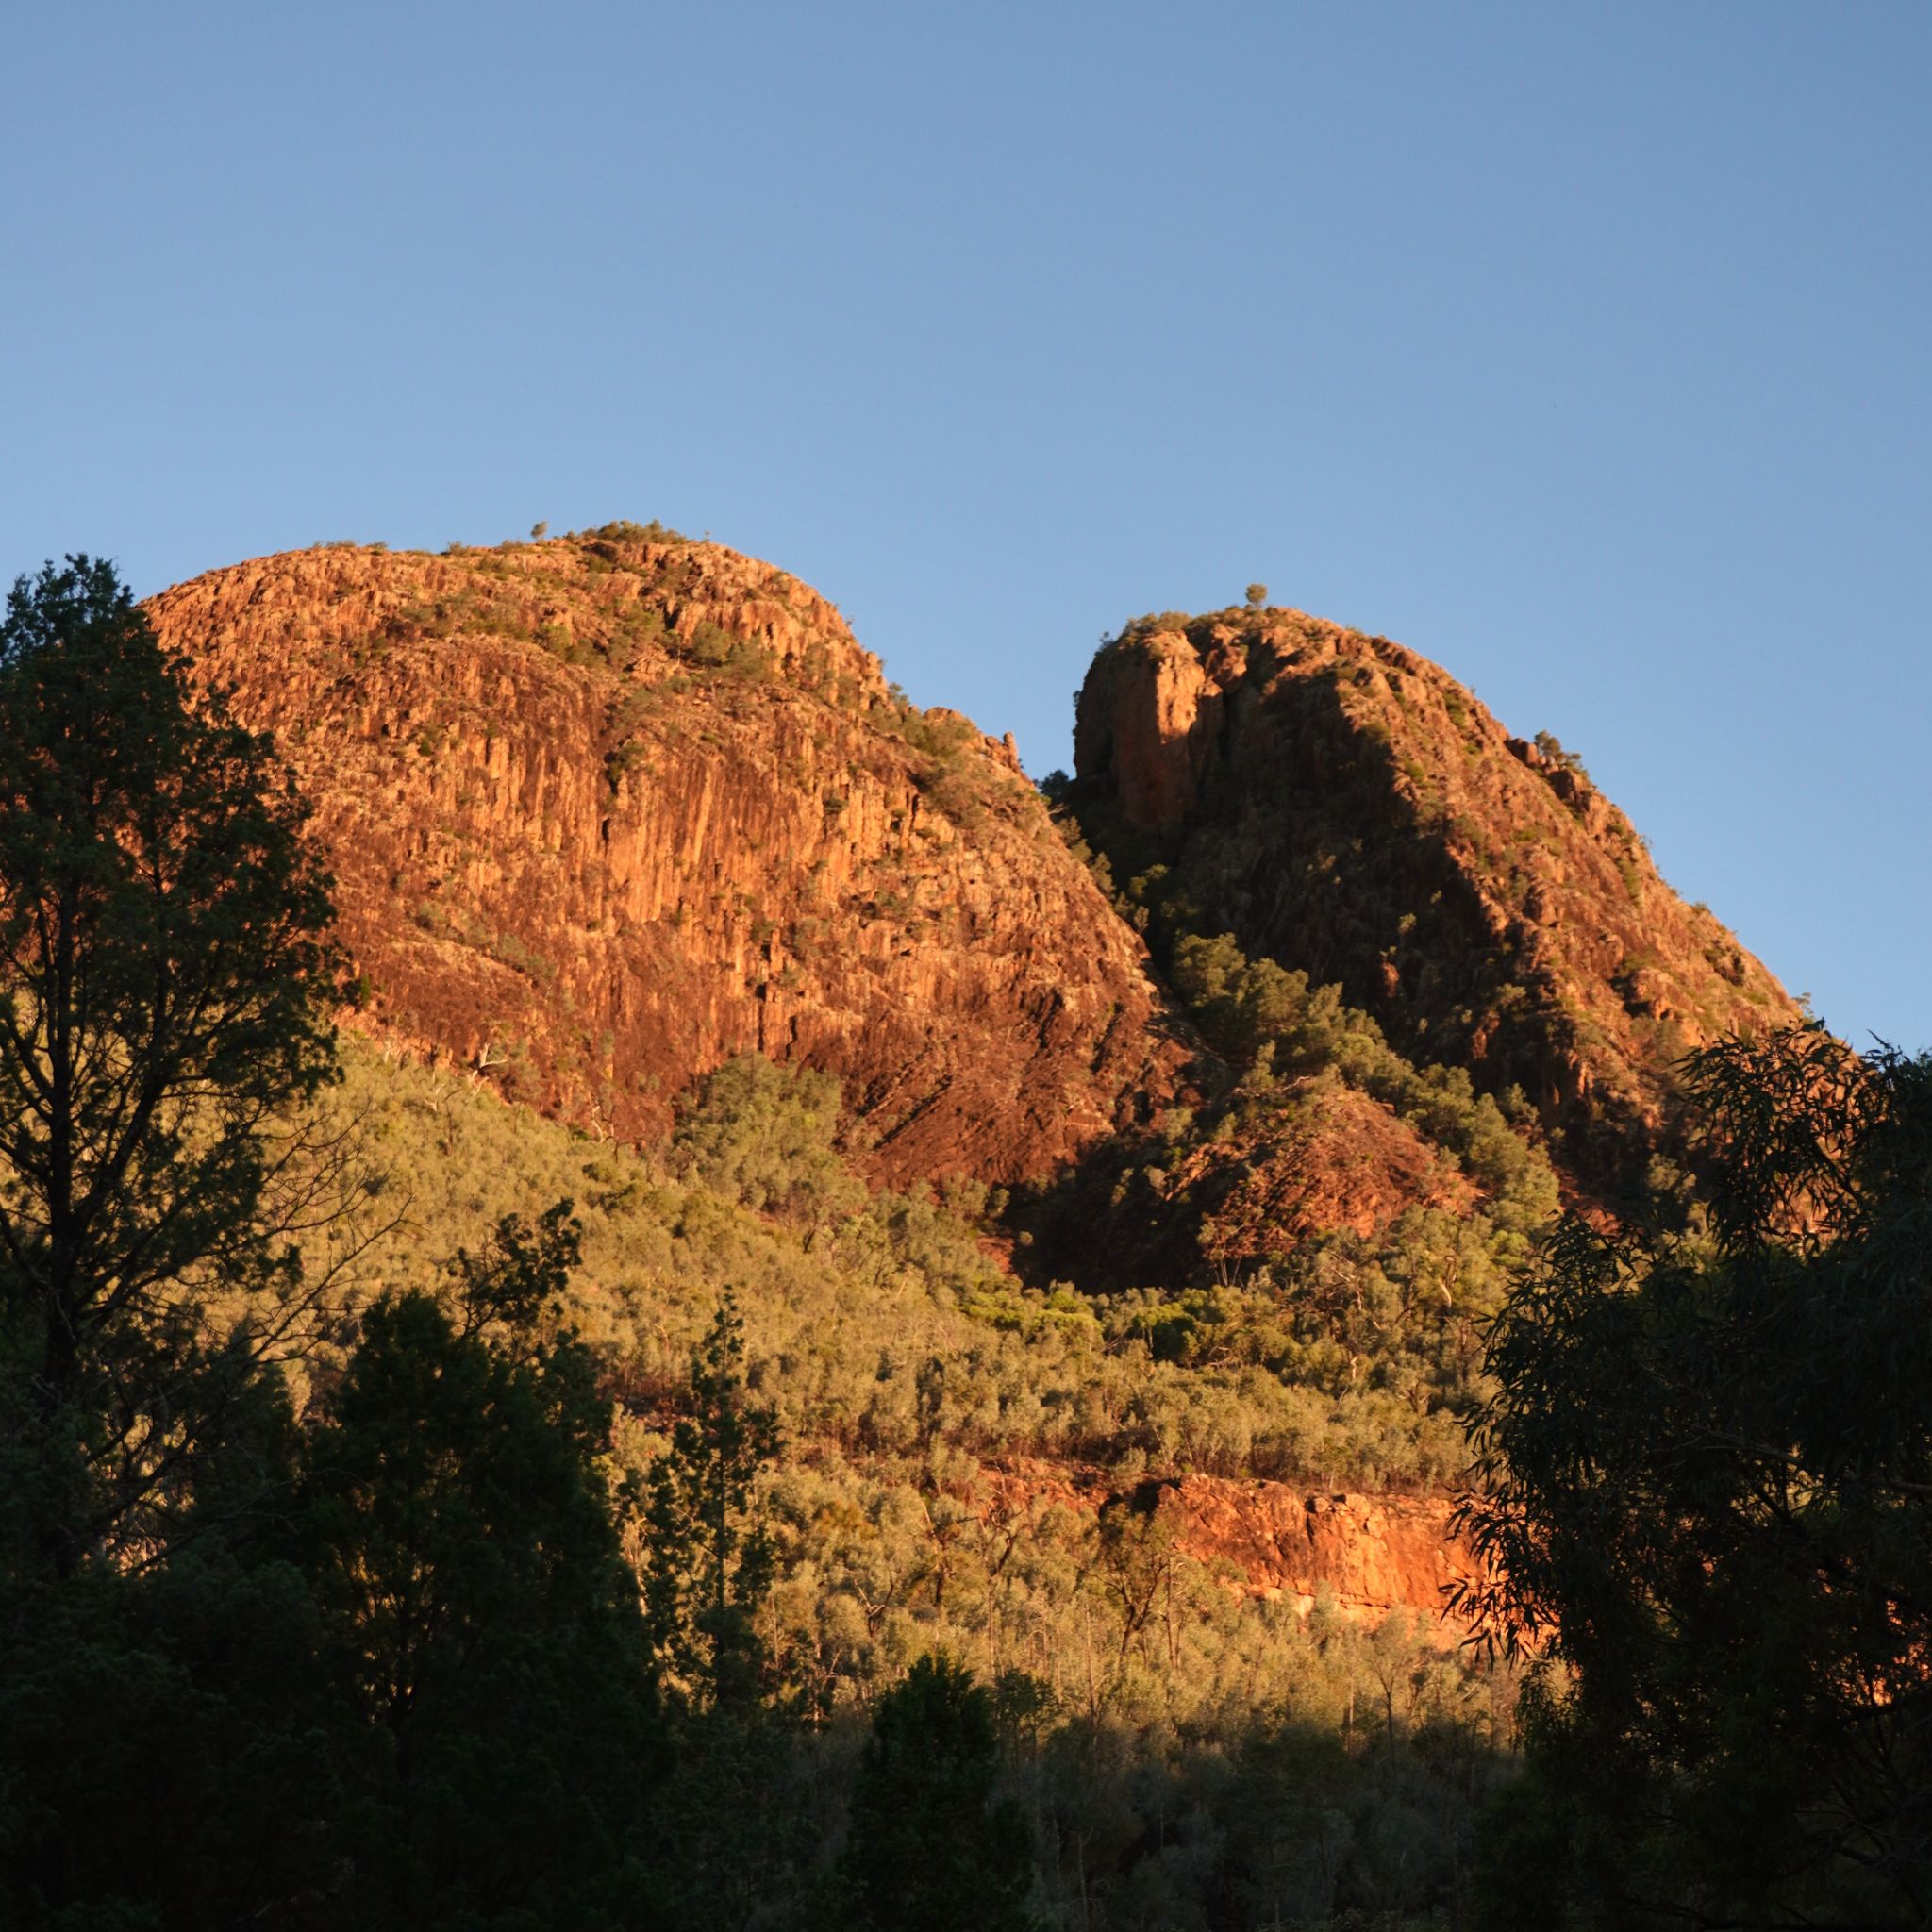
<point>1551,748</point>
<point>1248,1006</point>
<point>624,531</point>
<point>158,1758</point>
<point>767,1138</point>
<point>1144,1731</point>
<point>925,1398</point>
<point>739,1825</point>
<point>843,1305</point>
<point>958,785</point>
<point>710,647</point>
<point>1386,1326</point>
<point>407,1689</point>
<point>1152,624</point>
<point>942,734</point>
<point>708,1558</point>
<point>1705,1482</point>
<point>929,1843</point>
<point>477,1615</point>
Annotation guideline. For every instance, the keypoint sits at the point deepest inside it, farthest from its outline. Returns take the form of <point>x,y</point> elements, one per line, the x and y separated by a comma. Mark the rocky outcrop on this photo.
<point>1344,806</point>
<point>1367,1555</point>
<point>1363,1555</point>
<point>606,811</point>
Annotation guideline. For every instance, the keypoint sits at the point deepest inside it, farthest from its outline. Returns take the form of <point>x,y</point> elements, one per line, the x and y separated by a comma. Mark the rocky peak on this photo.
<point>1345,808</point>
<point>608,809</point>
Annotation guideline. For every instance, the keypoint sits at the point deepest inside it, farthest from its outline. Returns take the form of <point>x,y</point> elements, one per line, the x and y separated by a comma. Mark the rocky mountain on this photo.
<point>1280,1012</point>
<point>1344,808</point>
<point>606,811</point>
<point>1103,1189</point>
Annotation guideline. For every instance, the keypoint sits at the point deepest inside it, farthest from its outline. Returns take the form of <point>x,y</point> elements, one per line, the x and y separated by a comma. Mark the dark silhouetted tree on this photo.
<point>709,1559</point>
<point>163,972</point>
<point>1706,1491</point>
<point>480,1619</point>
<point>931,1845</point>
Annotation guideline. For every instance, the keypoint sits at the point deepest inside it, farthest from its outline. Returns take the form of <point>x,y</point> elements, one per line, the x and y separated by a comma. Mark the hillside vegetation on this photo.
<point>857,1343</point>
<point>970,1466</point>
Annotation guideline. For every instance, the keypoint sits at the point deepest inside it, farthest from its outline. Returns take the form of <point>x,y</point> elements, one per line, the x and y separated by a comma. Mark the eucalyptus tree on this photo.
<point>1705,1499</point>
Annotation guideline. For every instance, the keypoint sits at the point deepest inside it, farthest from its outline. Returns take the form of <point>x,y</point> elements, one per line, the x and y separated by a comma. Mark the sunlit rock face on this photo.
<point>604,811</point>
<point>1343,806</point>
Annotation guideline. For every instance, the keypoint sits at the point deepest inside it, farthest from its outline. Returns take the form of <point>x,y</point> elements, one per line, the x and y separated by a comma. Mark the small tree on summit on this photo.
<point>1257,596</point>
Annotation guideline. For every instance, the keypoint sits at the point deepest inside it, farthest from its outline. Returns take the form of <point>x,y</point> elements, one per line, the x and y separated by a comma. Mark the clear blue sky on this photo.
<point>1583,349</point>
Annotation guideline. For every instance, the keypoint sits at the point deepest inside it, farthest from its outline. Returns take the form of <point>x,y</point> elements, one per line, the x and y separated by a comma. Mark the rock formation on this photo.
<point>1370,1554</point>
<point>1365,1554</point>
<point>608,809</point>
<point>1342,806</point>
<point>605,812</point>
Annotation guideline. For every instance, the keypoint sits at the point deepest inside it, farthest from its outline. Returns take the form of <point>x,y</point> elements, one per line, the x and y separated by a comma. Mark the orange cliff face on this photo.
<point>1368,1556</point>
<point>605,812</point>
<point>1343,807</point>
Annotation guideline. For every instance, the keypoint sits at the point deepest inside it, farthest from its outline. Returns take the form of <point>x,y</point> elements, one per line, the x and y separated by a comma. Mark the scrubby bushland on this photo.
<point>402,1527</point>
<point>1181,1754</point>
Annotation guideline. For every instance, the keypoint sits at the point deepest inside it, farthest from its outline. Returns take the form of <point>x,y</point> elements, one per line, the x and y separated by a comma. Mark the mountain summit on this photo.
<point>608,809</point>
<point>1282,1026</point>
<point>1344,808</point>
